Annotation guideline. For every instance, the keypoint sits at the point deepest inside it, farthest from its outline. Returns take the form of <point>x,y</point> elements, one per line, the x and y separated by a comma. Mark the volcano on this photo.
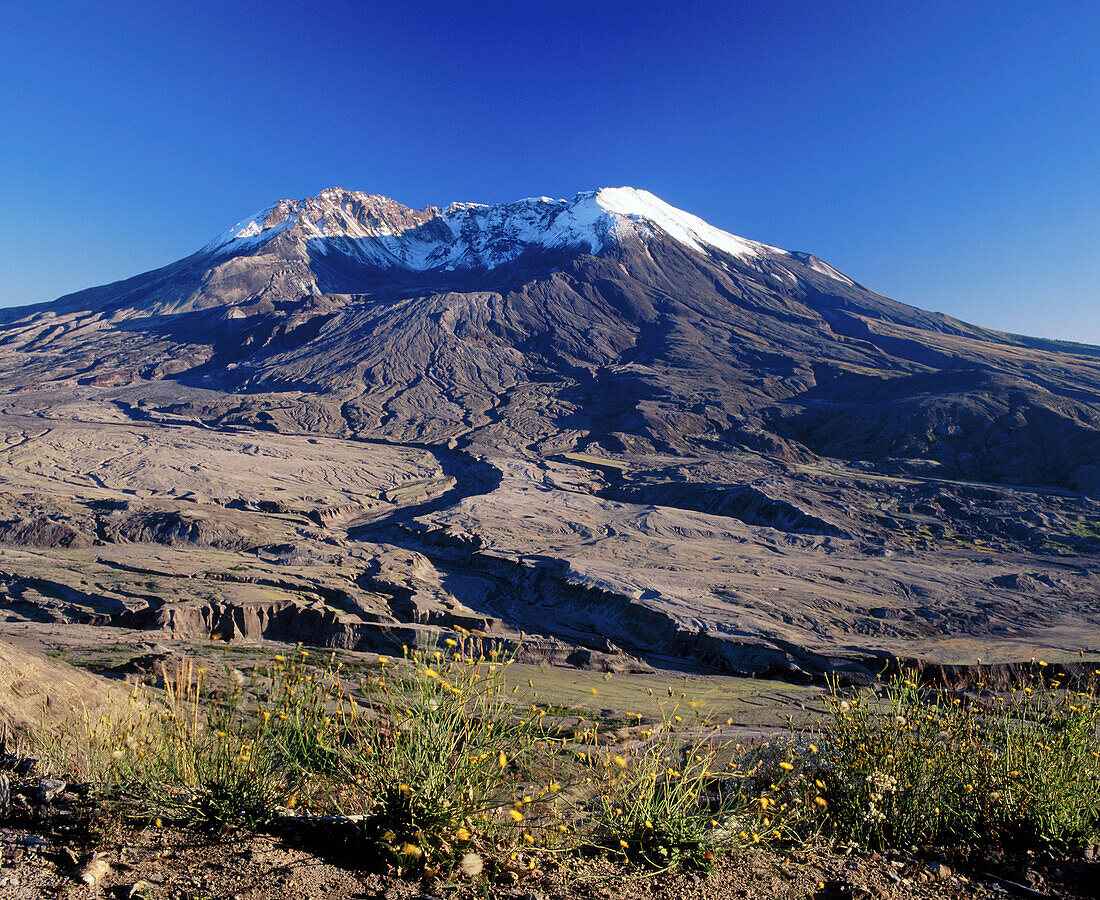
<point>637,326</point>
<point>613,348</point>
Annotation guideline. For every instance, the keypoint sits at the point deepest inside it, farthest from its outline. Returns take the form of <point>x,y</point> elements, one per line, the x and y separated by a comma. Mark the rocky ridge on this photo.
<point>600,423</point>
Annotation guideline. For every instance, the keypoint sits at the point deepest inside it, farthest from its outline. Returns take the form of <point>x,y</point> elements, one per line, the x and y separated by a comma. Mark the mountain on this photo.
<point>610,319</point>
<point>600,422</point>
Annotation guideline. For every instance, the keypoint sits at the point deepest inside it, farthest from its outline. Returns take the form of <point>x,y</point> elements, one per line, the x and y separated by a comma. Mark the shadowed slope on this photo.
<point>611,319</point>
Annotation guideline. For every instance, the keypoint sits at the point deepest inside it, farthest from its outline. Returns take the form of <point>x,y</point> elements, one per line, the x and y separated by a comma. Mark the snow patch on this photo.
<point>379,231</point>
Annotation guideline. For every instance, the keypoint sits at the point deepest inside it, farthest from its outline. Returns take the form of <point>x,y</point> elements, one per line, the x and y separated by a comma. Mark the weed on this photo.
<point>922,766</point>
<point>447,762</point>
<point>679,795</point>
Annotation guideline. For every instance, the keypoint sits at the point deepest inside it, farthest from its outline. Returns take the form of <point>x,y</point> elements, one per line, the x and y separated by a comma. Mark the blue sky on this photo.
<point>946,154</point>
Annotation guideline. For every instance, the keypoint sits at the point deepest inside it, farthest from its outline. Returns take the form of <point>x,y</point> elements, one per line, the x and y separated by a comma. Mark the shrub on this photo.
<point>445,765</point>
<point>681,795</point>
<point>922,766</point>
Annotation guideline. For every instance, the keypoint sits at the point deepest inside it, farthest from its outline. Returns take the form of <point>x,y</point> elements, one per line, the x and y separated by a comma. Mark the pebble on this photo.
<point>48,788</point>
<point>939,870</point>
<point>95,870</point>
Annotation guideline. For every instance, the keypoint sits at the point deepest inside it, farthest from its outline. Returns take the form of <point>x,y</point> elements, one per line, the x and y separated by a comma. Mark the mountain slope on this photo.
<point>610,320</point>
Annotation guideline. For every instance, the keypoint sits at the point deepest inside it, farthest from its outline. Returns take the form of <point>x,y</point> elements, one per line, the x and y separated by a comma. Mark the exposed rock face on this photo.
<point>598,427</point>
<point>549,325</point>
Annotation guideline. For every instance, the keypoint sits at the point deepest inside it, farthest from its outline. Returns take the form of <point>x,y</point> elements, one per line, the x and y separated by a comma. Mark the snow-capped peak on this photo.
<point>643,207</point>
<point>382,232</point>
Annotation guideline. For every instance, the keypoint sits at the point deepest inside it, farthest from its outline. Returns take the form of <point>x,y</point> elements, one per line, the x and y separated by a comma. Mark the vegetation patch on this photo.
<point>438,765</point>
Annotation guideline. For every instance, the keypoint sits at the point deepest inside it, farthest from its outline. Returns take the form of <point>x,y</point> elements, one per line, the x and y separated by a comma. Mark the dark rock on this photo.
<point>939,870</point>
<point>49,788</point>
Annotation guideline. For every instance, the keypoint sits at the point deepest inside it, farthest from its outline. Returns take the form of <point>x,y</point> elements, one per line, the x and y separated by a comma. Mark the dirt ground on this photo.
<point>51,846</point>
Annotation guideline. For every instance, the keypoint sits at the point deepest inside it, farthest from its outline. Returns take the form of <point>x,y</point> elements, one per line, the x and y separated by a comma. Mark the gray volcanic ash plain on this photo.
<point>599,427</point>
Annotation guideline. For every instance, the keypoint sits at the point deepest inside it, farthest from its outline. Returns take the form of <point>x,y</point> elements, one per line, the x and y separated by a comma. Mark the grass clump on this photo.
<point>916,766</point>
<point>447,762</point>
<point>681,794</point>
<point>653,805</point>
<point>192,755</point>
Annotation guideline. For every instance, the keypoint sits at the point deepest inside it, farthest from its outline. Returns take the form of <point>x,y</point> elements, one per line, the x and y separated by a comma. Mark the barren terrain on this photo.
<point>625,449</point>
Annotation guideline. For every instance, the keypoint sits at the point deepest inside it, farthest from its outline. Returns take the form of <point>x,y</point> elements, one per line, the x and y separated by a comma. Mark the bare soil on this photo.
<point>52,848</point>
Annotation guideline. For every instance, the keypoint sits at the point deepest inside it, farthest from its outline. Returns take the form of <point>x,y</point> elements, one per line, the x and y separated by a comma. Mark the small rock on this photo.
<point>95,870</point>
<point>138,890</point>
<point>939,870</point>
<point>48,788</point>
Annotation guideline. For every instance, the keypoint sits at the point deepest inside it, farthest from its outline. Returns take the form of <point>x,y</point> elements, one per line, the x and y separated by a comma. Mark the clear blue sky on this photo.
<point>946,154</point>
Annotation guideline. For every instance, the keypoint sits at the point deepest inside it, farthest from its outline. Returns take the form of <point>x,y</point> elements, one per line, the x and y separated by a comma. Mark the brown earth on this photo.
<point>47,860</point>
<point>36,690</point>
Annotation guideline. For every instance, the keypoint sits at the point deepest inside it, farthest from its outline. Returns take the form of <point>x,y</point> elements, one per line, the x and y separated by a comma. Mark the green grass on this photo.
<point>1089,529</point>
